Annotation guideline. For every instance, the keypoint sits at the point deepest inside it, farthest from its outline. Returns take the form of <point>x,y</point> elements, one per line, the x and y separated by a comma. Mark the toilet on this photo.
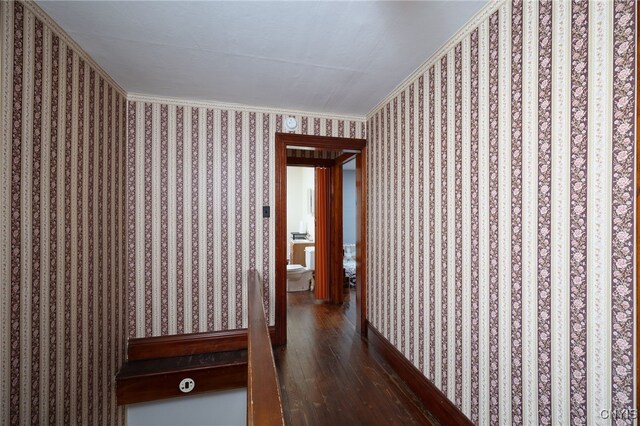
<point>298,277</point>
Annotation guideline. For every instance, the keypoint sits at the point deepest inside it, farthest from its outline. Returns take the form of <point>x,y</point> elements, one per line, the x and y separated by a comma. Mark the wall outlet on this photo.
<point>187,385</point>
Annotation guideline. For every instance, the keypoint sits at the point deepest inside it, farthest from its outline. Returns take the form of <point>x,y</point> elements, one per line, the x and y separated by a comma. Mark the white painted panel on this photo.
<point>504,213</point>
<point>599,343</point>
<point>530,215</point>
<point>483,219</point>
<point>560,195</point>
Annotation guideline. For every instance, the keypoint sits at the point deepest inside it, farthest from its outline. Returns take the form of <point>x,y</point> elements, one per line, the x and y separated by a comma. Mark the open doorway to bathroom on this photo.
<point>301,230</point>
<point>326,156</point>
<point>310,201</point>
<point>314,230</point>
<point>349,235</point>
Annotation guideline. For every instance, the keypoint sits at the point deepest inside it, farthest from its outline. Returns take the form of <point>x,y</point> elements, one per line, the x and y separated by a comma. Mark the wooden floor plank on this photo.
<point>328,375</point>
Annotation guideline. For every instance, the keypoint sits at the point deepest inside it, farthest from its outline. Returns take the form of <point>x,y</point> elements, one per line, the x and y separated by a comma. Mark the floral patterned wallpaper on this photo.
<point>500,207</point>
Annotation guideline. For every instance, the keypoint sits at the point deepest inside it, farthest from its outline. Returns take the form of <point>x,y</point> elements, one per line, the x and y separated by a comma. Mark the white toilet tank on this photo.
<point>310,258</point>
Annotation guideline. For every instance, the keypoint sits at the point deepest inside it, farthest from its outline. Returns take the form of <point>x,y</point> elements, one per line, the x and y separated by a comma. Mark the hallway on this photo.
<point>328,376</point>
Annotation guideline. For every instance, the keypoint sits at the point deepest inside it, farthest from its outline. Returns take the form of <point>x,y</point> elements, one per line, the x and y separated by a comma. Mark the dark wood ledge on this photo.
<point>148,380</point>
<point>188,344</point>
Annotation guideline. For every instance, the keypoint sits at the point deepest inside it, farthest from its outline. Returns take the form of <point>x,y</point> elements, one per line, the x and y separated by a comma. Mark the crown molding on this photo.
<point>465,30</point>
<point>138,97</point>
<point>62,34</point>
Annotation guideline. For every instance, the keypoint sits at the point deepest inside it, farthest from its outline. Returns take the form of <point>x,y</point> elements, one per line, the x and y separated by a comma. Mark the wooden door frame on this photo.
<point>323,233</point>
<point>284,140</point>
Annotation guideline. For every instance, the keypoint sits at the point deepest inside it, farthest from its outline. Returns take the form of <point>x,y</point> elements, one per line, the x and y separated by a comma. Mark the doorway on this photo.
<point>343,150</point>
<point>349,236</point>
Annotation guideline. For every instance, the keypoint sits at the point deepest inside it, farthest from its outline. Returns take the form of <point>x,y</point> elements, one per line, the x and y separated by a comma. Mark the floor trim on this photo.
<point>433,399</point>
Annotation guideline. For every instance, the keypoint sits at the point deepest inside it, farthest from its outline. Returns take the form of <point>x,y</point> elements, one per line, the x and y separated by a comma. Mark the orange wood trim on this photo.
<point>433,399</point>
<point>361,243</point>
<point>322,271</point>
<point>282,141</point>
<point>313,162</point>
<point>264,405</point>
<point>336,248</point>
<point>187,344</point>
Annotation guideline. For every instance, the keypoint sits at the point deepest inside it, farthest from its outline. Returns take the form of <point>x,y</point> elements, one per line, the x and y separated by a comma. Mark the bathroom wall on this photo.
<point>500,205</point>
<point>309,184</point>
<point>198,175</point>
<point>349,206</point>
<point>300,180</point>
<point>62,329</point>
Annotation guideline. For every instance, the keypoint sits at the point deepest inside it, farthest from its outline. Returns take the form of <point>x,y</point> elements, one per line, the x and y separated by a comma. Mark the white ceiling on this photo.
<point>332,57</point>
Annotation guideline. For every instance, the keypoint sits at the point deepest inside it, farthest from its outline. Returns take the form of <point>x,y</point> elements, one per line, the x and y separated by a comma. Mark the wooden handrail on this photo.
<point>264,405</point>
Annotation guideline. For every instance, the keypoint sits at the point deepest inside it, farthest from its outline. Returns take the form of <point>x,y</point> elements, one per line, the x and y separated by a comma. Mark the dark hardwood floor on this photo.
<point>328,375</point>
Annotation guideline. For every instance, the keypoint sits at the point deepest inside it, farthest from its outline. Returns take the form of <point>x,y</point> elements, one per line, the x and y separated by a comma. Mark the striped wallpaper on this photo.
<point>62,225</point>
<point>509,156</point>
<point>197,177</point>
<point>321,154</point>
